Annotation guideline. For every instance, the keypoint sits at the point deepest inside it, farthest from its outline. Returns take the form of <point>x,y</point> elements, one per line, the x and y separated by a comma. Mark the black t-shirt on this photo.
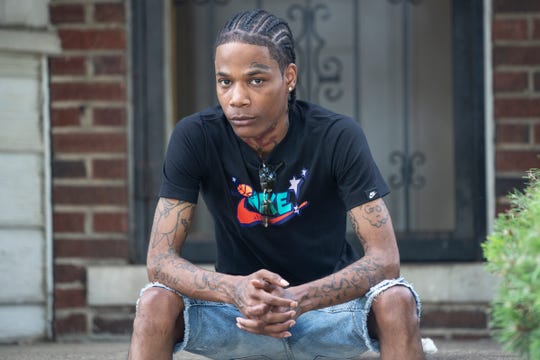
<point>324,169</point>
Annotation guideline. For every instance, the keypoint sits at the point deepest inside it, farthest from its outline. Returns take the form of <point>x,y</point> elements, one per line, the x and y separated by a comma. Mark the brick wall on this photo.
<point>89,140</point>
<point>516,87</point>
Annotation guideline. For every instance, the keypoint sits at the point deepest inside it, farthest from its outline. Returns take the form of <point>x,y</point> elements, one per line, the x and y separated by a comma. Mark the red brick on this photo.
<point>537,134</point>
<point>110,116</point>
<point>510,29</point>
<point>65,117</point>
<point>517,107</point>
<point>109,169</point>
<point>69,298</point>
<point>68,222</point>
<point>109,65</point>
<point>512,133</point>
<point>536,29</point>
<point>502,208</point>
<point>110,13</point>
<point>69,273</point>
<point>91,248</point>
<point>536,82</point>
<point>74,323</point>
<point>509,81</point>
<point>523,160</point>
<point>500,6</point>
<point>89,142</point>
<point>68,169</point>
<point>92,39</point>
<point>110,222</point>
<point>68,65</point>
<point>87,91</point>
<point>67,14</point>
<point>89,195</point>
<point>113,326</point>
<point>516,55</point>
<point>454,319</point>
<point>505,186</point>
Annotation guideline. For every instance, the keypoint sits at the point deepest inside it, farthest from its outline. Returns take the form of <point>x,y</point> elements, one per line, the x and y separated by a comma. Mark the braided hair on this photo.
<point>259,27</point>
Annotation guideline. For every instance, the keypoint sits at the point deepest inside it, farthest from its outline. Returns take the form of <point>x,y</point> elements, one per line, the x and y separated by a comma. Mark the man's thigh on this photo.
<point>337,332</point>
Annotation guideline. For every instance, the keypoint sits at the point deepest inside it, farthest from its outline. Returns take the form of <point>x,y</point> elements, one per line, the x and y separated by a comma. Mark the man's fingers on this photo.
<point>262,285</point>
<point>272,278</point>
<point>257,326</point>
<point>256,310</point>
<point>277,301</point>
<point>279,317</point>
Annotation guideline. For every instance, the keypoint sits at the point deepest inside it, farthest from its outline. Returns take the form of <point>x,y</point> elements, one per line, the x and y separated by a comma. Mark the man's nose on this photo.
<point>239,96</point>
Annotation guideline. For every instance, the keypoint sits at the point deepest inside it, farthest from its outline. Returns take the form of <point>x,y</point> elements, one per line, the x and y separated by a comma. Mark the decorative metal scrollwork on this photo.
<point>407,168</point>
<point>309,45</point>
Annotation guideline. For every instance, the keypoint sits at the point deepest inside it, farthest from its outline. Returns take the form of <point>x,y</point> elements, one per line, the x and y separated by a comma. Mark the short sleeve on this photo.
<point>357,176</point>
<point>183,167</point>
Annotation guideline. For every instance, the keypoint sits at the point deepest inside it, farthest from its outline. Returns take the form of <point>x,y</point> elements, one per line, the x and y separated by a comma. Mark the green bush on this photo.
<point>513,253</point>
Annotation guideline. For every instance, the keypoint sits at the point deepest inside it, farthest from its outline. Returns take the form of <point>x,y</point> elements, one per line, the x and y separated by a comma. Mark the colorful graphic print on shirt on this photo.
<point>285,204</point>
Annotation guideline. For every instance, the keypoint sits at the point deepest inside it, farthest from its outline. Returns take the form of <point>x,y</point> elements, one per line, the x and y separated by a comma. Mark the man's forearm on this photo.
<point>172,220</point>
<point>350,283</point>
<point>191,280</point>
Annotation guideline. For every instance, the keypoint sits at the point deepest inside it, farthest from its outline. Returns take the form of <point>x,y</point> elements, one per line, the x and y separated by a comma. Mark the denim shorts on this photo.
<point>336,332</point>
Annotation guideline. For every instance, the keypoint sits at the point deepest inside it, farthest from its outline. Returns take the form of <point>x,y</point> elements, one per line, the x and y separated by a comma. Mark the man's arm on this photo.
<point>172,221</point>
<point>373,226</point>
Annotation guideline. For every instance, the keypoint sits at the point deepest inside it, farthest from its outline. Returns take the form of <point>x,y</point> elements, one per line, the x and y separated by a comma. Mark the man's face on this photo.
<point>251,89</point>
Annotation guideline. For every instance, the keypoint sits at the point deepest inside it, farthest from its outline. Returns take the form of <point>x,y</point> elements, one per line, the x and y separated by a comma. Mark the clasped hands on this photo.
<point>268,306</point>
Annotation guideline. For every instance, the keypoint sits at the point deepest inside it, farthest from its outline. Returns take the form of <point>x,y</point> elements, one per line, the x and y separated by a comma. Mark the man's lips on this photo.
<point>242,120</point>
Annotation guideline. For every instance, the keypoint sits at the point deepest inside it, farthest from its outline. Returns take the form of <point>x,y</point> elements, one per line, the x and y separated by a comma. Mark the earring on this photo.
<point>290,88</point>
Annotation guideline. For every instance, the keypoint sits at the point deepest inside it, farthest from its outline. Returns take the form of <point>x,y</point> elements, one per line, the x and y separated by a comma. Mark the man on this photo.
<point>279,177</point>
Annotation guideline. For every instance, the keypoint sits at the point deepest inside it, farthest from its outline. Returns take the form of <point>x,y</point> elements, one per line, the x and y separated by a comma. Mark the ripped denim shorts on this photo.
<point>336,332</point>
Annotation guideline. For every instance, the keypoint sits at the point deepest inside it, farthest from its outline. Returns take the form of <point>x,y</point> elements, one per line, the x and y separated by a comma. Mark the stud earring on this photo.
<point>290,88</point>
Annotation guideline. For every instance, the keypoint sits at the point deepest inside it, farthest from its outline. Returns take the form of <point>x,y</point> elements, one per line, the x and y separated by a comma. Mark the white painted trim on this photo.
<point>436,283</point>
<point>39,42</point>
<point>489,120</point>
<point>47,198</point>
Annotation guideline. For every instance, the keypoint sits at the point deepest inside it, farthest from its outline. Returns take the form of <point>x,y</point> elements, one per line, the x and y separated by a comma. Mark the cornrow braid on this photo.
<point>259,27</point>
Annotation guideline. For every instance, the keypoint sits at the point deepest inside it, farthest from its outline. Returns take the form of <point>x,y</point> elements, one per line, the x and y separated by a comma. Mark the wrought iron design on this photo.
<point>407,168</point>
<point>316,75</point>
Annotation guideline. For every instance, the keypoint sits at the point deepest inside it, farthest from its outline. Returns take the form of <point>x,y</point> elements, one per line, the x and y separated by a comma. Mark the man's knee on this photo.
<point>159,311</point>
<point>395,304</point>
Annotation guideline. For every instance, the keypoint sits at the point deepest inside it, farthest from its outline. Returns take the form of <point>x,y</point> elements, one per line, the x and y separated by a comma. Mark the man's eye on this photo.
<point>224,82</point>
<point>257,81</point>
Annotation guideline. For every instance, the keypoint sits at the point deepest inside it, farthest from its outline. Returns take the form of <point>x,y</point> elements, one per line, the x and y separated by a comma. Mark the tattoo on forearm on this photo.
<point>165,228</point>
<point>376,215</point>
<point>346,284</point>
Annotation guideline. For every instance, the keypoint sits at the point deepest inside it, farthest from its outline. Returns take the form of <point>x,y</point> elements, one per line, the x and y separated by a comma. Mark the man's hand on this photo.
<point>268,308</point>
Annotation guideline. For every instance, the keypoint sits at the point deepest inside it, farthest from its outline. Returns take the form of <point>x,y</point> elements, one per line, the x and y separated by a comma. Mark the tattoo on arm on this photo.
<point>375,214</point>
<point>346,284</point>
<point>171,216</point>
<point>356,228</point>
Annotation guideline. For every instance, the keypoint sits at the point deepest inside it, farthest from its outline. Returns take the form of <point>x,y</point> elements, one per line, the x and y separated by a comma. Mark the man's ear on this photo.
<point>291,75</point>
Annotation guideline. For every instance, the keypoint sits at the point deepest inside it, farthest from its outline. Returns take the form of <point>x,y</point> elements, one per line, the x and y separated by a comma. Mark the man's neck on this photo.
<point>264,144</point>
